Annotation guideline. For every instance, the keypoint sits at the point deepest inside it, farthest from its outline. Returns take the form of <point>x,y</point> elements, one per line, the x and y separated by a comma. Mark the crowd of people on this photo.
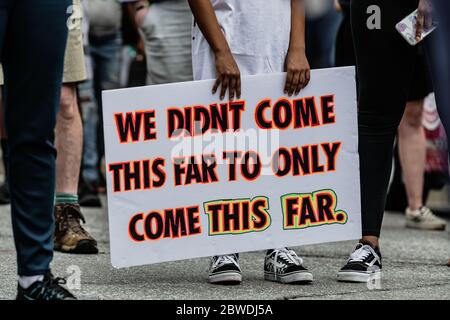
<point>51,125</point>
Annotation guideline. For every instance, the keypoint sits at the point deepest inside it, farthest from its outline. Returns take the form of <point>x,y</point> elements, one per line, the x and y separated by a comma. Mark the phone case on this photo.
<point>407,28</point>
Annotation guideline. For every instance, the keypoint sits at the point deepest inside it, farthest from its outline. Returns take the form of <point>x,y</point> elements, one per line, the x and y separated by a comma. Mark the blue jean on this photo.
<point>320,36</point>
<point>105,56</point>
<point>33,38</point>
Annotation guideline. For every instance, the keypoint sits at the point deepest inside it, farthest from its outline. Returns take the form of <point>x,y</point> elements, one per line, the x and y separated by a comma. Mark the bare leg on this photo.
<point>70,236</point>
<point>68,141</point>
<point>412,151</point>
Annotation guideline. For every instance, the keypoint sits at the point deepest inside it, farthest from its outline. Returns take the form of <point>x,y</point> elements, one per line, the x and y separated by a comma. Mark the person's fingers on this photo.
<point>301,83</point>
<point>238,87</point>
<point>232,88</point>
<point>307,77</point>
<point>217,84</point>
<point>289,77</point>
<point>223,90</point>
<point>295,83</point>
<point>419,26</point>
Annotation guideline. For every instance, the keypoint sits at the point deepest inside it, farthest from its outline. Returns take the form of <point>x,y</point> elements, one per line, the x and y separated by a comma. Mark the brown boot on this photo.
<point>70,237</point>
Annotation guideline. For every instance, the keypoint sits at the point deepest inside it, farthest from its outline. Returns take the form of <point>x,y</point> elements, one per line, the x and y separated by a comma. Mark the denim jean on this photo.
<point>320,36</point>
<point>33,37</point>
<point>105,53</point>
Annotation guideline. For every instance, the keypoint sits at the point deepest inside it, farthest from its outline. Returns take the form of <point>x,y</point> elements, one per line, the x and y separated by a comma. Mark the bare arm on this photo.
<point>297,66</point>
<point>227,71</point>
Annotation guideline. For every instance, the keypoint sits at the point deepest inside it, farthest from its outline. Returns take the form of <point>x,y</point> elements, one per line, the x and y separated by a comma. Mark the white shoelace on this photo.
<point>362,253</point>
<point>286,254</point>
<point>222,260</point>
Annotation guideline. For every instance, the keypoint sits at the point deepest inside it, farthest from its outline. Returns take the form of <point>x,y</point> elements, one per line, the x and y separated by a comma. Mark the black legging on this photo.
<point>385,65</point>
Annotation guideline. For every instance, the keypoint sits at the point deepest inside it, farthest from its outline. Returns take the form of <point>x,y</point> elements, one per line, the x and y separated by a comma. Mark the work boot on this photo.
<point>70,236</point>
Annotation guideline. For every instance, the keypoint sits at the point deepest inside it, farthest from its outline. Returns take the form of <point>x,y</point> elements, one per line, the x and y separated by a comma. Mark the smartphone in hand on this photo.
<point>407,28</point>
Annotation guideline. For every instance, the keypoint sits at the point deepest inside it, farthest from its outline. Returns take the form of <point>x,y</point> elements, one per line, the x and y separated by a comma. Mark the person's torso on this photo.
<point>253,27</point>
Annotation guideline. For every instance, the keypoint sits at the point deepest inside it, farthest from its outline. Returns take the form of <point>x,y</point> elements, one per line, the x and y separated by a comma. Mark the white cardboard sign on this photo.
<point>191,176</point>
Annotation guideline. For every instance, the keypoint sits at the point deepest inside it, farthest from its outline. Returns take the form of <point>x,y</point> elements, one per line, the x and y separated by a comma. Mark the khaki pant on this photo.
<point>74,64</point>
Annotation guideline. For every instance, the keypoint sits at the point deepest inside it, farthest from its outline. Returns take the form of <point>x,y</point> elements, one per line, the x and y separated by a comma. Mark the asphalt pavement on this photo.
<point>414,267</point>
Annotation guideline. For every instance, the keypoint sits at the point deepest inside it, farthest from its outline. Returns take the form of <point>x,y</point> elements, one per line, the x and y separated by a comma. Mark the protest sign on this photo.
<point>191,176</point>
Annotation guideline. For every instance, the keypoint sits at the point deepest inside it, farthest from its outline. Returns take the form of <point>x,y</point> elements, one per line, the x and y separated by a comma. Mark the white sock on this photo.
<point>26,282</point>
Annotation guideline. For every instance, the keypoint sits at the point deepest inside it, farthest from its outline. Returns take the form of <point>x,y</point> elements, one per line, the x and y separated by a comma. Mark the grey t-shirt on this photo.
<point>105,17</point>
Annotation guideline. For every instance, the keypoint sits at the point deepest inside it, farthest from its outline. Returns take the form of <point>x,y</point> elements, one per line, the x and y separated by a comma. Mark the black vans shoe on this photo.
<point>284,266</point>
<point>363,265</point>
<point>225,270</point>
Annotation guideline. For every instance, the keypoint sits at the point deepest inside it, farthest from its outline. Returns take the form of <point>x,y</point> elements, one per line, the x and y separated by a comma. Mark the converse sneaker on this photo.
<point>364,264</point>
<point>225,269</point>
<point>423,219</point>
<point>48,289</point>
<point>284,266</point>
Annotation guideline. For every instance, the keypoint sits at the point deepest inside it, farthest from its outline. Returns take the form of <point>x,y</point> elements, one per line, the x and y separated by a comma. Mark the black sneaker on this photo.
<point>225,270</point>
<point>363,265</point>
<point>284,266</point>
<point>48,289</point>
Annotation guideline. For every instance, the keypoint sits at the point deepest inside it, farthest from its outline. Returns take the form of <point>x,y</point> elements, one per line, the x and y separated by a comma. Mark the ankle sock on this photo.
<point>25,282</point>
<point>62,197</point>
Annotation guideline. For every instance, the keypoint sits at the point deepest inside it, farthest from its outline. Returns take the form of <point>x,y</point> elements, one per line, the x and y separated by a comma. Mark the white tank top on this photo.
<point>257,31</point>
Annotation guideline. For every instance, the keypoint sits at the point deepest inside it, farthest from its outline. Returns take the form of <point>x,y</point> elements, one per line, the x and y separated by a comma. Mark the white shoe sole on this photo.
<point>425,226</point>
<point>296,277</point>
<point>360,277</point>
<point>226,278</point>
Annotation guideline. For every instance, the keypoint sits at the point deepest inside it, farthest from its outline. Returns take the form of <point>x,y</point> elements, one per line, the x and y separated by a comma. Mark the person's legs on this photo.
<point>89,176</point>
<point>31,100</point>
<point>68,142</point>
<point>385,62</point>
<point>70,236</point>
<point>438,51</point>
<point>384,65</point>
<point>438,46</point>
<point>412,151</point>
<point>89,110</point>
<point>106,56</point>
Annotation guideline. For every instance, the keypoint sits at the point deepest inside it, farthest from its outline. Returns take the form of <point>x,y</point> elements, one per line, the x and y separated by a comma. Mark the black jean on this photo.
<point>438,46</point>
<point>32,42</point>
<point>385,65</point>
